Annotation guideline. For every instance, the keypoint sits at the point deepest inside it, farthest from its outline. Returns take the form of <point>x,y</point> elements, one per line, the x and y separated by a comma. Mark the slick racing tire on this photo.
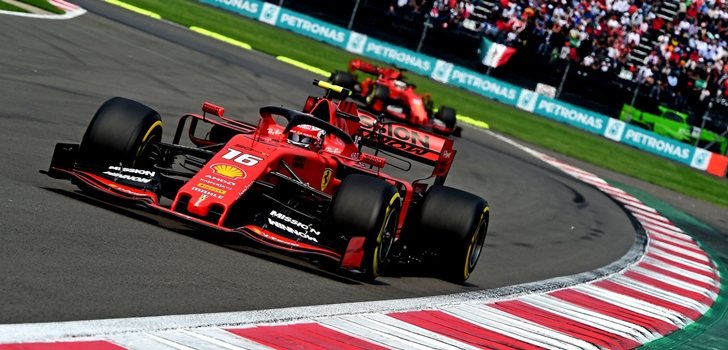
<point>365,205</point>
<point>118,133</point>
<point>447,115</point>
<point>343,79</point>
<point>378,93</point>
<point>455,224</point>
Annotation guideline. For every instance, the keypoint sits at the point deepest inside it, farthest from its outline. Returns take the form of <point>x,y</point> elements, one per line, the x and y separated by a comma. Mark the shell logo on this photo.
<point>228,171</point>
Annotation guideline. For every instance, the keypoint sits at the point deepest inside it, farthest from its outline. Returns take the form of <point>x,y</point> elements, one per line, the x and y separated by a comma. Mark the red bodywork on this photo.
<point>403,102</point>
<point>258,156</point>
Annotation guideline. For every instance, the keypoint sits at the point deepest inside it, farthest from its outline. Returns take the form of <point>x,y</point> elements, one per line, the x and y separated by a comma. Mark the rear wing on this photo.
<point>406,141</point>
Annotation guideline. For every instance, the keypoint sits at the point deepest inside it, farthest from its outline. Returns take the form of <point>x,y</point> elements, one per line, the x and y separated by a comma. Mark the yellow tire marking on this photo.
<point>221,37</point>
<point>375,264</point>
<point>157,123</point>
<point>472,244</point>
<point>302,65</point>
<point>133,8</point>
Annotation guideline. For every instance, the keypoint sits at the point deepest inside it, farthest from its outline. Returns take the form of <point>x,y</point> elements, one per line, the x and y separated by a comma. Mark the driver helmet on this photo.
<point>306,136</point>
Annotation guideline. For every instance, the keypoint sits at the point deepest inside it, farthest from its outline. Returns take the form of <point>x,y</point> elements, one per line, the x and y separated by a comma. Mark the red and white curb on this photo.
<point>671,283</point>
<point>71,11</point>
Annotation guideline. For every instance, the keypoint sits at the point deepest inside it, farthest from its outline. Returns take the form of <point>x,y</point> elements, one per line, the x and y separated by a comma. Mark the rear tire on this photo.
<point>378,93</point>
<point>118,133</point>
<point>447,115</point>
<point>343,79</point>
<point>455,224</point>
<point>367,206</point>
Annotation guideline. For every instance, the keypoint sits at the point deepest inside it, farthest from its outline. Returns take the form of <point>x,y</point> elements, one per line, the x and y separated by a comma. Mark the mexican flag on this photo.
<point>493,54</point>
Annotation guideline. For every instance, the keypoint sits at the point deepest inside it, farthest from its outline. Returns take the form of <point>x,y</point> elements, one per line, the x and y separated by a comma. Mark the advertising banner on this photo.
<point>248,8</point>
<point>448,73</point>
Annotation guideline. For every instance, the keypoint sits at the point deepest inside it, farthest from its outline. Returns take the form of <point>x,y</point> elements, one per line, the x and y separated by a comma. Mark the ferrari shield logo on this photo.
<point>326,178</point>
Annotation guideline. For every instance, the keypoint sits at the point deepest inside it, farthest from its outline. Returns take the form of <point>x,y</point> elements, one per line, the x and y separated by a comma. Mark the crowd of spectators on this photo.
<point>688,58</point>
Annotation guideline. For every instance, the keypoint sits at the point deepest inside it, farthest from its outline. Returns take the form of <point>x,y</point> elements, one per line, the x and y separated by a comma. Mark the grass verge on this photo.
<point>501,118</point>
<point>44,5</point>
<point>10,7</point>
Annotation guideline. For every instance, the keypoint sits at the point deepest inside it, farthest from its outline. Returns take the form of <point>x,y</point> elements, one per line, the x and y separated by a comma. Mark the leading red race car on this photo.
<point>386,91</point>
<point>305,186</point>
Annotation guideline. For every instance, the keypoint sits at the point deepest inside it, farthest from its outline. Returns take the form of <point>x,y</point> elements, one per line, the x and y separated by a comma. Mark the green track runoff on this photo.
<point>501,118</point>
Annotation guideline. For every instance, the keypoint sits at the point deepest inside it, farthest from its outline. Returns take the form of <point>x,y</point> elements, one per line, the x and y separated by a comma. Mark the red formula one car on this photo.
<point>388,92</point>
<point>305,186</point>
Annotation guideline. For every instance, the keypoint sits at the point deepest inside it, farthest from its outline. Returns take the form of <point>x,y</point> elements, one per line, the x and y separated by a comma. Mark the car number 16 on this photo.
<point>241,158</point>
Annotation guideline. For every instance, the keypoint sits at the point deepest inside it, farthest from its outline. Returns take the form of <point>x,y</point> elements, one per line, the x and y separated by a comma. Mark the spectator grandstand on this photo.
<point>672,52</point>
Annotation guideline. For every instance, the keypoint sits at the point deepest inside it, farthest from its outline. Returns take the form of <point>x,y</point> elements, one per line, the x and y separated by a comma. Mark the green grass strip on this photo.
<point>44,5</point>
<point>501,118</point>
<point>4,6</point>
<point>133,8</point>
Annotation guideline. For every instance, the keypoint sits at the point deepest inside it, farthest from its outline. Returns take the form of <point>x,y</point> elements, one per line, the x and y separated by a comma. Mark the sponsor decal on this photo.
<point>223,183</point>
<point>241,158</point>
<point>128,191</point>
<point>139,175</point>
<point>402,57</point>
<point>326,178</point>
<point>701,159</point>
<point>478,83</point>
<point>614,130</point>
<point>527,100</point>
<point>319,29</point>
<point>356,42</point>
<point>400,137</point>
<point>211,188</point>
<point>293,226</point>
<point>672,148</point>
<point>245,7</point>
<point>229,171</point>
<point>207,193</point>
<point>442,71</point>
<point>269,14</point>
<point>571,115</point>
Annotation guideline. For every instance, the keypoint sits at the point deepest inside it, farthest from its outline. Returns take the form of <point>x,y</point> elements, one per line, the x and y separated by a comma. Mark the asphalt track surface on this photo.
<point>66,258</point>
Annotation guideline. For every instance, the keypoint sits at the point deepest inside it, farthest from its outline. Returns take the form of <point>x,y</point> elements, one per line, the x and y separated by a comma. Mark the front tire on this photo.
<point>455,224</point>
<point>343,79</point>
<point>365,205</point>
<point>447,115</point>
<point>118,133</point>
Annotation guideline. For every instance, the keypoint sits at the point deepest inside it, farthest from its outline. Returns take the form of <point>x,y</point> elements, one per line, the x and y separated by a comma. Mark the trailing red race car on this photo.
<point>390,94</point>
<point>305,186</point>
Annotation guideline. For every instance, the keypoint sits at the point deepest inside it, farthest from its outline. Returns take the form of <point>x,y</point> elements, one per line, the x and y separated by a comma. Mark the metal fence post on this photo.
<point>353,14</point>
<point>426,26</point>
<point>563,79</point>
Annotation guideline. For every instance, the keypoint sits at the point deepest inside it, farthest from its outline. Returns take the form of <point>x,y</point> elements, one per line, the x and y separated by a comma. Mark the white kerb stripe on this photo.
<point>662,294</point>
<point>651,214</point>
<point>144,341</point>
<point>632,207</point>
<point>677,259</point>
<point>676,282</point>
<point>224,339</point>
<point>650,221</point>
<point>686,273</point>
<point>516,327</point>
<point>677,249</point>
<point>405,331</point>
<point>662,231</point>
<point>673,240</point>
<point>600,321</point>
<point>379,336</point>
<point>636,305</point>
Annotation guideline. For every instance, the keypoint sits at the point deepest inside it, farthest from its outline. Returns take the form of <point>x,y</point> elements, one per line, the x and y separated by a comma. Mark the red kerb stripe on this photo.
<point>693,269</point>
<point>589,302</point>
<point>630,292</point>
<point>678,276</point>
<point>700,297</point>
<point>303,336</point>
<point>565,325</point>
<point>456,328</point>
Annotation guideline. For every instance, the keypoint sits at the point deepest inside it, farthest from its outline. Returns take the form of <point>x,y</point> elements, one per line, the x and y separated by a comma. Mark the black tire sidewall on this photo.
<point>361,207</point>
<point>117,132</point>
<point>447,115</point>
<point>343,79</point>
